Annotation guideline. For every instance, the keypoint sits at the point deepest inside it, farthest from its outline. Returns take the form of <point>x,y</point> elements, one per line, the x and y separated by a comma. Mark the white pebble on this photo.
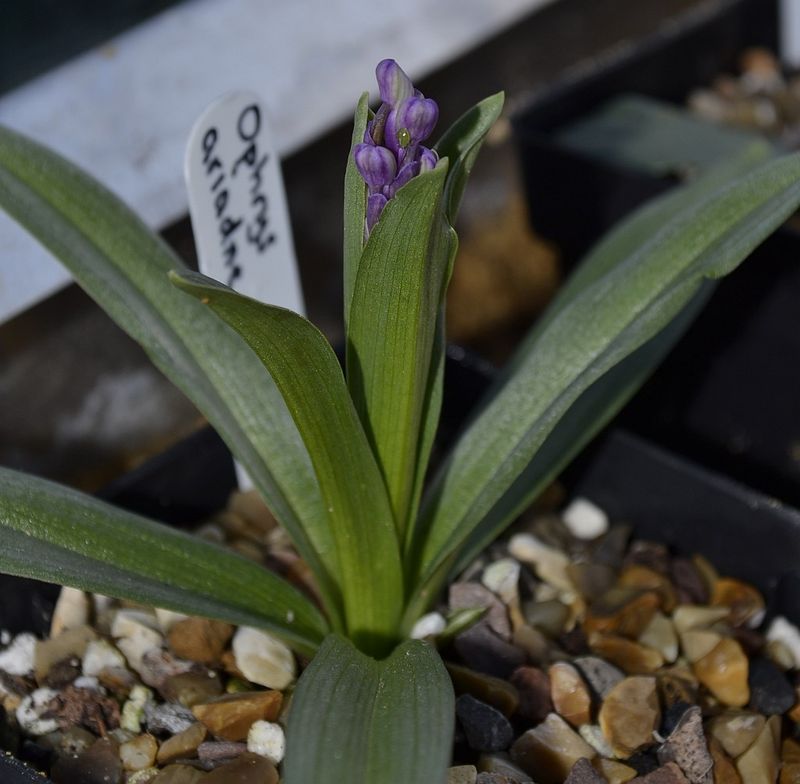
<point>18,658</point>
<point>428,626</point>
<point>501,578</point>
<point>30,710</point>
<point>593,735</point>
<point>784,631</point>
<point>584,519</point>
<point>5,637</point>
<point>136,634</point>
<point>133,709</point>
<point>168,618</point>
<point>70,612</point>
<point>88,682</point>
<point>267,739</point>
<point>550,564</point>
<point>99,655</point>
<point>263,658</point>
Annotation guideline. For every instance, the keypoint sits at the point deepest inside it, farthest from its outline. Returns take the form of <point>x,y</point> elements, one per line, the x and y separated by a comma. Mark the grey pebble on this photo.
<point>485,727</point>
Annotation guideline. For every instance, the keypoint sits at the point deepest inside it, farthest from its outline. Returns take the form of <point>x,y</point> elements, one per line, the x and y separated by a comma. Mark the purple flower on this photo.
<point>392,151</point>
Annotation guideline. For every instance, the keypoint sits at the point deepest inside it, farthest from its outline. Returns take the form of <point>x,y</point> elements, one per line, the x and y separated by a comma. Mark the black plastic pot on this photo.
<point>729,396</point>
<point>573,197</point>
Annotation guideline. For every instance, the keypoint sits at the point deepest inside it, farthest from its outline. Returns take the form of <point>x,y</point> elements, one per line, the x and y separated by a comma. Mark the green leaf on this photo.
<point>588,415</point>
<point>56,534</point>
<point>360,720</point>
<point>308,375</point>
<point>398,292</point>
<point>355,207</point>
<point>605,321</point>
<point>123,265</point>
<point>606,397</point>
<point>461,143</point>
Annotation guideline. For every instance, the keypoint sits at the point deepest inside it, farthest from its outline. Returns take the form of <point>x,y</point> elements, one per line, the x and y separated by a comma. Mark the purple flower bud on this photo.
<point>410,122</point>
<point>376,165</point>
<point>393,82</point>
<point>374,131</point>
<point>375,204</point>
<point>409,170</point>
<point>391,153</point>
<point>427,159</point>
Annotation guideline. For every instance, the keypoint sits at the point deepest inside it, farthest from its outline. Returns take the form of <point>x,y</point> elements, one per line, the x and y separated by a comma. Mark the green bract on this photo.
<point>341,458</point>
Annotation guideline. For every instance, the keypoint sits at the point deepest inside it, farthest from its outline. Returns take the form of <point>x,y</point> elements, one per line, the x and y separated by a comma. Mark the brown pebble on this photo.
<point>462,774</point>
<point>180,774</point>
<point>629,715</point>
<point>246,769</point>
<point>70,643</point>
<point>200,639</point>
<point>612,771</point>
<point>190,688</point>
<point>686,746</point>
<point>532,643</point>
<point>533,686</point>
<point>548,751</point>
<point>759,764</point>
<point>745,602</point>
<point>736,731</point>
<point>501,764</point>
<point>630,656</point>
<point>582,772</point>
<point>647,579</point>
<point>724,770</point>
<point>569,694</point>
<point>790,762</point>
<point>723,671</point>
<point>622,611</point>
<point>493,691</point>
<point>666,774</point>
<point>139,752</point>
<point>230,717</point>
<point>183,745</point>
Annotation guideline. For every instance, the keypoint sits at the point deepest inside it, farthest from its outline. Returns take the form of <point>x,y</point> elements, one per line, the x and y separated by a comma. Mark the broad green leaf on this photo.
<point>123,265</point>
<point>607,396</point>
<point>355,207</point>
<point>398,293</point>
<point>309,377</point>
<point>588,415</point>
<point>603,323</point>
<point>461,143</point>
<point>359,720</point>
<point>52,533</point>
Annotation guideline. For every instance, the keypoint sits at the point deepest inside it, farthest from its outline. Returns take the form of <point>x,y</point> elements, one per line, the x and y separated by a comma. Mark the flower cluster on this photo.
<point>392,151</point>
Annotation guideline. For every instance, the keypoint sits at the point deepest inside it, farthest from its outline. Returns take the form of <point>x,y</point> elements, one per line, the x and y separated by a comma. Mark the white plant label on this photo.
<point>238,206</point>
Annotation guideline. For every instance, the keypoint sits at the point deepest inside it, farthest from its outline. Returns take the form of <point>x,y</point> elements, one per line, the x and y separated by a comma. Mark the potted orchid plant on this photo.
<point>342,458</point>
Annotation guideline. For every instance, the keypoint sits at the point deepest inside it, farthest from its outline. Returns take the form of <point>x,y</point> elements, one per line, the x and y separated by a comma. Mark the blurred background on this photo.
<point>116,87</point>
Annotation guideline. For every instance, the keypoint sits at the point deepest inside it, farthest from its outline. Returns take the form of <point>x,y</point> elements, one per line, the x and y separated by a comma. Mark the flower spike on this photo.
<point>392,152</point>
